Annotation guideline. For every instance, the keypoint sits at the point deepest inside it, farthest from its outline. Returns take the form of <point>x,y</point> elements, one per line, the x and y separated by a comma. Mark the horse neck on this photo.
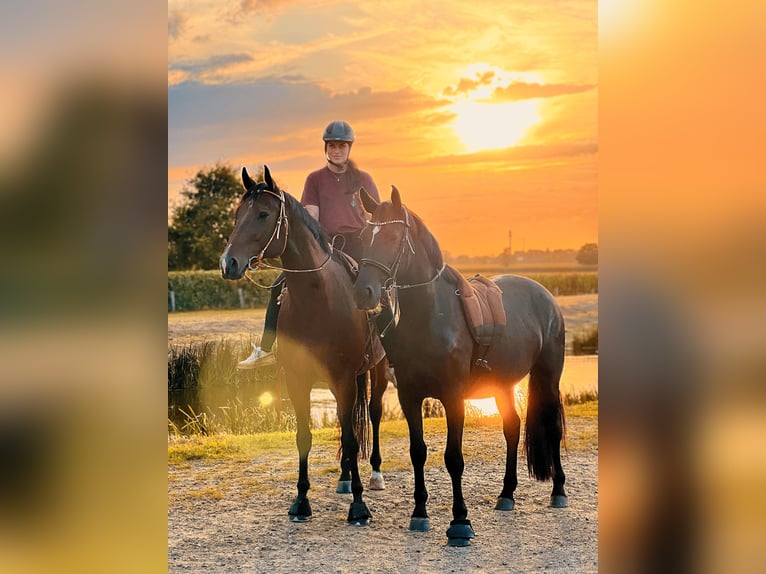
<point>415,269</point>
<point>303,250</point>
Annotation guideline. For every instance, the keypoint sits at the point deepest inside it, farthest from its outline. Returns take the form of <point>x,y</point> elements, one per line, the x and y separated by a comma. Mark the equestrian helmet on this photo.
<point>338,131</point>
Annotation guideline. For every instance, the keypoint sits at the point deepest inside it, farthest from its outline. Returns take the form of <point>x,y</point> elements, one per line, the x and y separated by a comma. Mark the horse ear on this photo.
<point>396,198</point>
<point>267,177</point>
<point>247,181</point>
<point>369,202</point>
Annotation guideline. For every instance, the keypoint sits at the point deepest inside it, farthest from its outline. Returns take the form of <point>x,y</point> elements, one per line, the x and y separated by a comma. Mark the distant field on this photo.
<point>490,269</point>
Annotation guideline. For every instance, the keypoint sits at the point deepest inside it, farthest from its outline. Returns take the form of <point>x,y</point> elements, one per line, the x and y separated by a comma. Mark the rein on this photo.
<point>256,261</point>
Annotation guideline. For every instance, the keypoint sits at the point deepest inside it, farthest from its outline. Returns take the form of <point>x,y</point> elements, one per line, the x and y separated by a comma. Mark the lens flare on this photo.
<point>266,399</point>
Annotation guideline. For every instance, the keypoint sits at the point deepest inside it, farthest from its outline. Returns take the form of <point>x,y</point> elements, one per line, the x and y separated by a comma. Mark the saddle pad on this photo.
<point>482,303</point>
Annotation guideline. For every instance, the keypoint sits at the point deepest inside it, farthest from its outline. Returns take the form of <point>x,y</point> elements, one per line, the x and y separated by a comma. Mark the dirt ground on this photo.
<point>230,515</point>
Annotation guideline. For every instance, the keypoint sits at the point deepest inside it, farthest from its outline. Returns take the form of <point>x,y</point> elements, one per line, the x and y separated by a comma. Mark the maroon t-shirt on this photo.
<point>340,209</point>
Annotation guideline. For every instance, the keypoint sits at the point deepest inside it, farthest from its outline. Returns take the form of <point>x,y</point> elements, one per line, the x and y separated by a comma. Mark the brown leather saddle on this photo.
<point>482,302</point>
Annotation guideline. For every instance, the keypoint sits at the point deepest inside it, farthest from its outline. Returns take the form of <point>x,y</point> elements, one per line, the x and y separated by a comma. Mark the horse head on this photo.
<point>385,237</point>
<point>258,221</point>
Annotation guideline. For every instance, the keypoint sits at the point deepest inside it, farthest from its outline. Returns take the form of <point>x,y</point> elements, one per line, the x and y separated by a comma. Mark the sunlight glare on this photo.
<point>266,399</point>
<point>481,125</point>
<point>486,406</point>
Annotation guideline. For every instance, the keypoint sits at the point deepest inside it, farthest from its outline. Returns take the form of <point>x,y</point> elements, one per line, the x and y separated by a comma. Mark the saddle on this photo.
<point>482,302</point>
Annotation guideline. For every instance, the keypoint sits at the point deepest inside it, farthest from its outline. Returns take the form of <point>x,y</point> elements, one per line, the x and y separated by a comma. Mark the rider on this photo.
<point>331,196</point>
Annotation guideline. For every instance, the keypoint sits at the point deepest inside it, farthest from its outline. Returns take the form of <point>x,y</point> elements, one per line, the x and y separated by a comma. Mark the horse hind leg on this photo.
<point>545,429</point>
<point>511,431</point>
<point>378,387</point>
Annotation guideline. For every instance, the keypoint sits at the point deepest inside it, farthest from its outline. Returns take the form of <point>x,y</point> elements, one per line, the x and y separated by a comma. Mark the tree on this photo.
<point>588,254</point>
<point>202,223</point>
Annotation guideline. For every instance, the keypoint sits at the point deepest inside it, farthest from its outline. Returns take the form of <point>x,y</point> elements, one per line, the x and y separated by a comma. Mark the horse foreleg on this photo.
<point>460,531</point>
<point>511,431</point>
<point>413,412</point>
<point>378,387</point>
<point>344,482</point>
<point>300,509</point>
<point>358,514</point>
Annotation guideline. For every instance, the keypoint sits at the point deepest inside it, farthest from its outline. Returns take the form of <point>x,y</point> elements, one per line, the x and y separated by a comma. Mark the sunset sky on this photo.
<point>483,114</point>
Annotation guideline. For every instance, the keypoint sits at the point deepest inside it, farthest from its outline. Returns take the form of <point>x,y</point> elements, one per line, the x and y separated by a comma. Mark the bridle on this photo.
<point>406,241</point>
<point>390,286</point>
<point>281,219</point>
<point>256,261</point>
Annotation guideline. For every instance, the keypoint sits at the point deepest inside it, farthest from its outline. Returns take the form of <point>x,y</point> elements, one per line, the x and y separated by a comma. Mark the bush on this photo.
<point>585,343</point>
<point>195,290</point>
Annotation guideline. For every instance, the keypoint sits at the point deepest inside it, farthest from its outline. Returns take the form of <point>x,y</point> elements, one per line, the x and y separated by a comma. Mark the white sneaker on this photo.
<point>258,358</point>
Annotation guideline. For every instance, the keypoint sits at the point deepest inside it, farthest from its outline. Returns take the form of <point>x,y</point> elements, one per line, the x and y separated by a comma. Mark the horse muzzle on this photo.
<point>366,297</point>
<point>231,267</point>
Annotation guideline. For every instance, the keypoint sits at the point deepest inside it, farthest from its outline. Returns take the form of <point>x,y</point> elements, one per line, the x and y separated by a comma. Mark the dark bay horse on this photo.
<point>322,335</point>
<point>435,356</point>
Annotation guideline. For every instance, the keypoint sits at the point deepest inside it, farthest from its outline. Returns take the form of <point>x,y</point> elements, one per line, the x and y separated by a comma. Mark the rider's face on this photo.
<point>338,152</point>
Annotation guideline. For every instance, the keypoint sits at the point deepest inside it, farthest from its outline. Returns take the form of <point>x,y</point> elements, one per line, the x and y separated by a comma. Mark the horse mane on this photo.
<point>312,224</point>
<point>428,241</point>
<point>297,208</point>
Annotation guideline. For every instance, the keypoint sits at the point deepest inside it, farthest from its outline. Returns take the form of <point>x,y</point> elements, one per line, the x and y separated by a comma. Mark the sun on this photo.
<point>484,125</point>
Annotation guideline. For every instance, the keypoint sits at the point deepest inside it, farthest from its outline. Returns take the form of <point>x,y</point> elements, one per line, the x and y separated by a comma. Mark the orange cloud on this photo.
<point>467,85</point>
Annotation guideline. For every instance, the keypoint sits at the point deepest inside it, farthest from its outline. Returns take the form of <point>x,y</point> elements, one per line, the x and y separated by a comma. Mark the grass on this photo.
<point>582,422</point>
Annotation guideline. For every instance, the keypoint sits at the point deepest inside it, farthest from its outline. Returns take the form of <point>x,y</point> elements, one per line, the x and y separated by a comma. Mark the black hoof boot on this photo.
<point>418,524</point>
<point>559,501</point>
<point>300,510</point>
<point>459,533</point>
<point>358,514</point>
<point>505,503</point>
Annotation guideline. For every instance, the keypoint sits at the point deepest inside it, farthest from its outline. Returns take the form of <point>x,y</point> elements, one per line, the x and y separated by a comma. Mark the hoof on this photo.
<point>344,487</point>
<point>419,524</point>
<point>300,510</point>
<point>359,514</point>
<point>559,501</point>
<point>505,503</point>
<point>377,482</point>
<point>459,533</point>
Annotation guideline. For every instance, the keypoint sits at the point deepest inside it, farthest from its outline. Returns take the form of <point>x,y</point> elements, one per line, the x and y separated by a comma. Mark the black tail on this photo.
<point>361,416</point>
<point>545,426</point>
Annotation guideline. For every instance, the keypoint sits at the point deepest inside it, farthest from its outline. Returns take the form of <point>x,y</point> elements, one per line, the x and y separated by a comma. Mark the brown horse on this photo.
<point>322,335</point>
<point>436,356</point>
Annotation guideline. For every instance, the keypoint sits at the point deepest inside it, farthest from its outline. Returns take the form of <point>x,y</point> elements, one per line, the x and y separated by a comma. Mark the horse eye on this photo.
<point>263,214</point>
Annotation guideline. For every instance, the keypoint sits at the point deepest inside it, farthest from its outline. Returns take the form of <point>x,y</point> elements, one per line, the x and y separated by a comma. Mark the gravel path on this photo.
<point>226,516</point>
